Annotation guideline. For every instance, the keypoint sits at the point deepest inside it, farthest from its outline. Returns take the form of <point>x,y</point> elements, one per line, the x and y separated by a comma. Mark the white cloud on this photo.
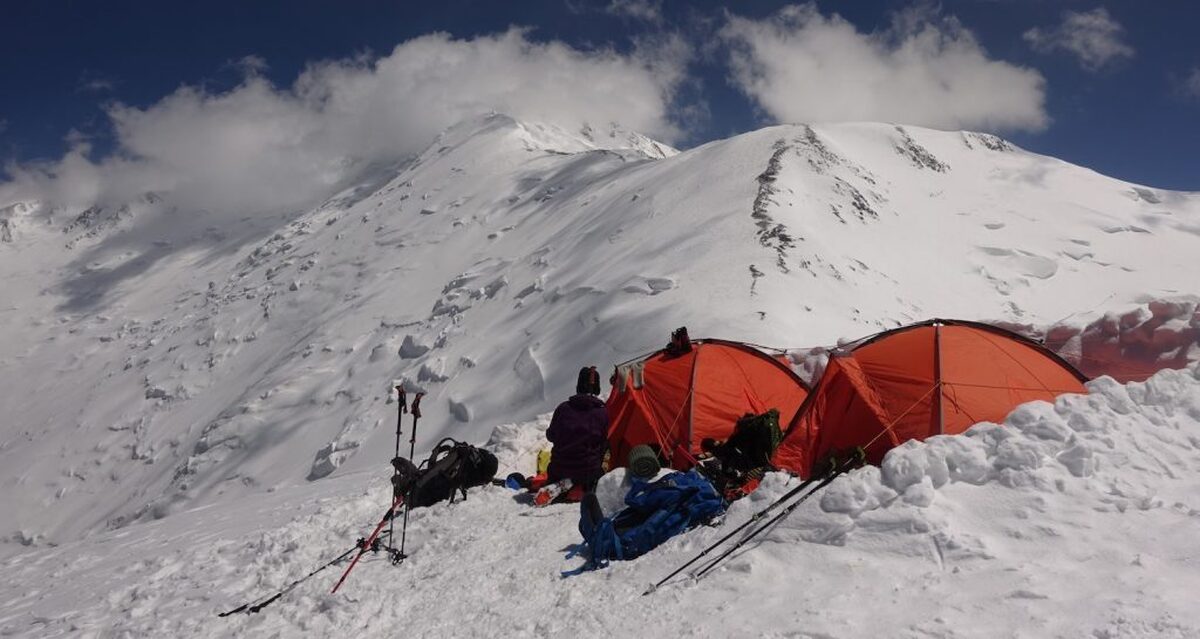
<point>1093,37</point>
<point>1191,84</point>
<point>250,65</point>
<point>93,82</point>
<point>800,65</point>
<point>258,147</point>
<point>648,10</point>
<point>97,85</point>
<point>75,137</point>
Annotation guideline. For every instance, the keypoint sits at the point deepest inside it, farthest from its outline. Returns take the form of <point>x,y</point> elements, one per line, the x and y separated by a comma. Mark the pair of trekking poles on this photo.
<point>371,542</point>
<point>399,492</point>
<point>806,489</point>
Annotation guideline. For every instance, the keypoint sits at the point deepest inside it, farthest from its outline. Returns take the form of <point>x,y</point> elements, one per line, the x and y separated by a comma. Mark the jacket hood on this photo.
<point>585,401</point>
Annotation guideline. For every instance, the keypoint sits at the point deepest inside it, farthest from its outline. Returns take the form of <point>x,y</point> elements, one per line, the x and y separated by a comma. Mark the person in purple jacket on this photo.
<point>579,433</point>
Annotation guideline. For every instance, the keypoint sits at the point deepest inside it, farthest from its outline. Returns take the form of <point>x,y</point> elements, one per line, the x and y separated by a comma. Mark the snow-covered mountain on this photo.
<point>155,360</point>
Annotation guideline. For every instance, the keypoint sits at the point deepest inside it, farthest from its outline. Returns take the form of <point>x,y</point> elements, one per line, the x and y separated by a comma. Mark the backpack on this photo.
<point>452,467</point>
<point>755,438</point>
<point>739,463</point>
<point>655,511</point>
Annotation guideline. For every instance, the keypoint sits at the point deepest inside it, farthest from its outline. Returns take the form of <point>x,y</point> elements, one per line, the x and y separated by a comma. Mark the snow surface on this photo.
<point>197,409</point>
<point>1077,518</point>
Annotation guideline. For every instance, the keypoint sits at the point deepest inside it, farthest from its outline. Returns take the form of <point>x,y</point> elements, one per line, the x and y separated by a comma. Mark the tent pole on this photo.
<point>691,402</point>
<point>937,374</point>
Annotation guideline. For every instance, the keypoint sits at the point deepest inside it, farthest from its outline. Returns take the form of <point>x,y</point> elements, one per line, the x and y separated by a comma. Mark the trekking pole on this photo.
<point>368,543</point>
<point>397,557</point>
<point>251,609</point>
<point>756,517</point>
<point>824,477</point>
<point>400,410</point>
<point>771,522</point>
<point>855,458</point>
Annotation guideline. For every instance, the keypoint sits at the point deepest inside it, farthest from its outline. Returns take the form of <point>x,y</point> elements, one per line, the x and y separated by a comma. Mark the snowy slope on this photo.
<point>157,360</point>
<point>1073,519</point>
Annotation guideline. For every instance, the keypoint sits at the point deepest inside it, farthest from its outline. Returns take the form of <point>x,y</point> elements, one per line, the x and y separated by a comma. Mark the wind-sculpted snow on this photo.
<point>1076,518</point>
<point>1037,450</point>
<point>171,360</point>
<point>1129,346</point>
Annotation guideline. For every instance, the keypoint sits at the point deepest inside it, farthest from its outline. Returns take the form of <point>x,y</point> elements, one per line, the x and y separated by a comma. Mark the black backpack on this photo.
<point>745,456</point>
<point>452,467</point>
<point>753,442</point>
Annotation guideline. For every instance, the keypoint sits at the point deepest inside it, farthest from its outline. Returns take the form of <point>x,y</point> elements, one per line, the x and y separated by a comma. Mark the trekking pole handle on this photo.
<point>400,410</point>
<point>416,407</point>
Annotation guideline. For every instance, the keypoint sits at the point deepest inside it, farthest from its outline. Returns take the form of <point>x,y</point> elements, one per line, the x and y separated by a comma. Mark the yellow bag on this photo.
<point>543,461</point>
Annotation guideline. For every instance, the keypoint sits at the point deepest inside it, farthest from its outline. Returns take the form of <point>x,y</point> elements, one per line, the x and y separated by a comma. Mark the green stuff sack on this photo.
<point>643,462</point>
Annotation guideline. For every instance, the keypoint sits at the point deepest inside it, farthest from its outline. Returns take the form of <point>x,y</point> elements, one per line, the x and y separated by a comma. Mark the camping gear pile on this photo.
<point>723,413</point>
<point>716,406</point>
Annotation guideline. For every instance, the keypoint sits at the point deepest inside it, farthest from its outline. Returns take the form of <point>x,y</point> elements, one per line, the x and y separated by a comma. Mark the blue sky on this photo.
<point>1114,86</point>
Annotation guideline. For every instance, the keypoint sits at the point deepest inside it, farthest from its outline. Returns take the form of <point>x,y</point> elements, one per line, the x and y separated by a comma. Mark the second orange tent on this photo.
<point>937,377</point>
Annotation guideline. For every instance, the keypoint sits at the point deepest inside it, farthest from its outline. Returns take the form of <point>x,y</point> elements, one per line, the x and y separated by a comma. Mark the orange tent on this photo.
<point>936,377</point>
<point>676,401</point>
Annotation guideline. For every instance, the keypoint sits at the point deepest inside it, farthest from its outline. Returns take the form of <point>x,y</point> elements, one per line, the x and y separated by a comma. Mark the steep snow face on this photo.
<point>962,224</point>
<point>1076,518</point>
<point>158,359</point>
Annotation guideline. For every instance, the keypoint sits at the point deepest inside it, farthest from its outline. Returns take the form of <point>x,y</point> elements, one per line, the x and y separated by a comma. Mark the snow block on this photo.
<point>412,347</point>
